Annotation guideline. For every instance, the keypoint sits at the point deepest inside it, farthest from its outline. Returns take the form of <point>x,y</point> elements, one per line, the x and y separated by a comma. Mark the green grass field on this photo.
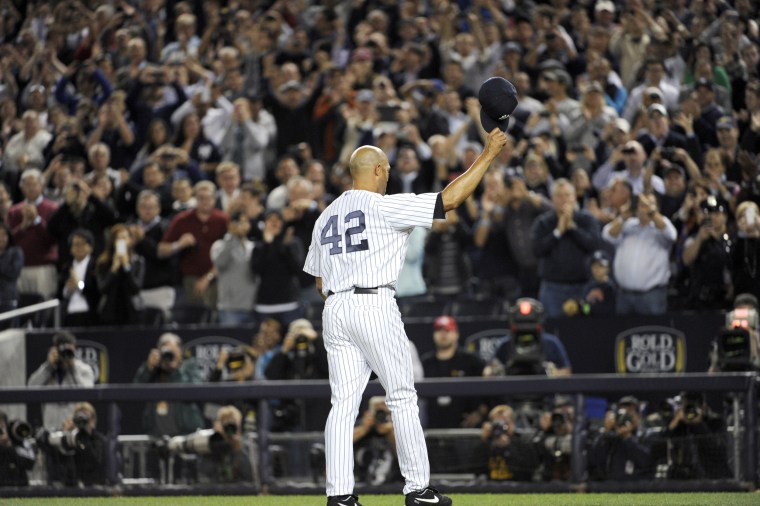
<point>690,499</point>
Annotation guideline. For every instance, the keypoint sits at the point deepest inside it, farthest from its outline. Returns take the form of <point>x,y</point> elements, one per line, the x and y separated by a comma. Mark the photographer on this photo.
<point>697,445</point>
<point>554,442</point>
<point>375,445</point>
<point>61,368</point>
<point>228,461</point>
<point>617,453</point>
<point>165,365</point>
<point>505,455</point>
<point>76,455</point>
<point>17,454</point>
<point>302,356</point>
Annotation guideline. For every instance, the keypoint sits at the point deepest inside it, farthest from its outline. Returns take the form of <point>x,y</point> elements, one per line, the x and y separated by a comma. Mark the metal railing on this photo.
<point>53,304</point>
<point>744,385</point>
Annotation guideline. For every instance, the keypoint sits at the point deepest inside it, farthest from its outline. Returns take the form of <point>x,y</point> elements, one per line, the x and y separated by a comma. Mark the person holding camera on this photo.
<point>230,463</point>
<point>17,453</point>
<point>642,258</point>
<point>697,437</point>
<point>631,162</point>
<point>554,441</point>
<point>617,453</point>
<point>166,365</point>
<point>707,254</point>
<point>503,455</point>
<point>76,454</point>
<point>746,253</point>
<point>61,368</point>
<point>375,445</point>
<point>120,273</point>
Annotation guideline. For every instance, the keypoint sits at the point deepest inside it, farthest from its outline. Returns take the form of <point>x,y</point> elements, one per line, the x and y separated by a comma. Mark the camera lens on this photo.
<point>230,429</point>
<point>167,355</point>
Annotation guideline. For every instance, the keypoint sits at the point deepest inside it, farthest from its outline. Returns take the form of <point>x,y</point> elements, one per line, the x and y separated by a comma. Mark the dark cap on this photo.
<point>498,99</point>
<point>628,400</point>
<point>713,205</point>
<point>601,257</point>
<point>704,82</point>
<point>725,123</point>
<point>746,299</point>
<point>673,167</point>
<point>512,47</point>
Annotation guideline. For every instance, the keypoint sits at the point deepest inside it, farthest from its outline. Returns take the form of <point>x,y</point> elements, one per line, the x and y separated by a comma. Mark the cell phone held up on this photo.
<point>121,247</point>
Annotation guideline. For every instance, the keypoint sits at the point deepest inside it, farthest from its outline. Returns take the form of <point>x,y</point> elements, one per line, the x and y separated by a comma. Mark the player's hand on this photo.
<point>495,142</point>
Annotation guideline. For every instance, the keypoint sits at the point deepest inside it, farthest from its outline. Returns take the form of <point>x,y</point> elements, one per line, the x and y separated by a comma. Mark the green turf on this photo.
<point>691,499</point>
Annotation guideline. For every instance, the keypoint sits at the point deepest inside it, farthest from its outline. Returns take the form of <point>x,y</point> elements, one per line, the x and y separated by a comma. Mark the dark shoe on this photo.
<point>343,500</point>
<point>427,497</point>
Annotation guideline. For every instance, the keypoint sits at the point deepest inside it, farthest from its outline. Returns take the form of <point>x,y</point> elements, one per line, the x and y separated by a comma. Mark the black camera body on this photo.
<point>235,359</point>
<point>381,416</point>
<point>81,420</point>
<point>167,355</point>
<point>734,350</point>
<point>230,429</point>
<point>65,353</point>
<point>499,428</point>
<point>622,417</point>
<point>526,353</point>
<point>18,430</point>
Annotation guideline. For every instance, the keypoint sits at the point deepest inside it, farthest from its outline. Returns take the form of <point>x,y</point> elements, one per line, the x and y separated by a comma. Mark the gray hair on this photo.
<point>169,337</point>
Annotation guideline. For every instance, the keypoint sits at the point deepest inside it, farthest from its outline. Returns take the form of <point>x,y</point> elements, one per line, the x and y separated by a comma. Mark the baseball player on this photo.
<point>358,247</point>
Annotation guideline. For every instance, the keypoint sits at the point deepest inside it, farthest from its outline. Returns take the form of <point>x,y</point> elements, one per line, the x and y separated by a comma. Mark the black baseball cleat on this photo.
<point>343,500</point>
<point>427,497</point>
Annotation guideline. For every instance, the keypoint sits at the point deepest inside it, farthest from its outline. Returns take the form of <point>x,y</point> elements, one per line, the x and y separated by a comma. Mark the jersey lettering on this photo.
<point>330,235</point>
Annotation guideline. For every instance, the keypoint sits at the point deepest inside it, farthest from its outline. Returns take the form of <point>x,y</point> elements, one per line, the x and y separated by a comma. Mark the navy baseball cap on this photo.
<point>498,99</point>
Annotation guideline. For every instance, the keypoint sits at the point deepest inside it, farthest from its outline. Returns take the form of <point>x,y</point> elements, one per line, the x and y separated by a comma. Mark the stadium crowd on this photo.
<point>168,159</point>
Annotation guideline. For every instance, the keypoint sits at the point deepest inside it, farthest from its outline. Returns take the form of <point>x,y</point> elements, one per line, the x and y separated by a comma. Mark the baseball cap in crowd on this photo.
<point>593,86</point>
<point>725,123</point>
<point>290,85</point>
<point>713,205</point>
<point>628,400</point>
<point>653,92</point>
<point>512,47</point>
<point>551,64</point>
<point>365,95</point>
<point>605,5</point>
<point>446,323</point>
<point>302,326</point>
<point>622,125</point>
<point>703,82</point>
<point>498,99</point>
<point>746,299</point>
<point>361,54</point>
<point>657,108</point>
<point>672,167</point>
<point>601,257</point>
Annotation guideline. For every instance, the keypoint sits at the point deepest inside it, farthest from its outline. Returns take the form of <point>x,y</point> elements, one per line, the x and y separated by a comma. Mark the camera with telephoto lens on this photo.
<point>167,355</point>
<point>558,420</point>
<point>230,429</point>
<point>381,416</point>
<point>202,442</point>
<point>18,430</point>
<point>622,417</point>
<point>692,406</point>
<point>81,420</point>
<point>65,353</point>
<point>65,441</point>
<point>499,428</point>
<point>235,359</point>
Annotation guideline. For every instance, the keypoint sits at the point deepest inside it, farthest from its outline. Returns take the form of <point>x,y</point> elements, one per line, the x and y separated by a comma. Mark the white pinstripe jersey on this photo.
<point>361,238</point>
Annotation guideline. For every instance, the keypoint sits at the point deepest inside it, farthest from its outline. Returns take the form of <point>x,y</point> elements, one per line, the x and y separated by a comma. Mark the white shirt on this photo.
<point>360,240</point>
<point>77,302</point>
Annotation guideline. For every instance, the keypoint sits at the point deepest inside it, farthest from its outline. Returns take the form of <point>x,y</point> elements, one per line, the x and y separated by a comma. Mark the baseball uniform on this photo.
<point>358,248</point>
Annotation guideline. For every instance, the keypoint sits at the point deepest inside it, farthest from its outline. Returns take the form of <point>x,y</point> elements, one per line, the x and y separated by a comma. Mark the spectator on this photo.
<point>503,454</point>
<point>17,454</point>
<point>654,77</point>
<point>642,258</point>
<point>115,131</point>
<point>120,273</point>
<point>6,201</point>
<point>729,148</point>
<point>191,234</point>
<point>246,138</point>
<point>745,276</point>
<point>78,281</point>
<point>561,240</point>
<point>276,260</point>
<point>228,179</point>
<point>674,178</point>
<point>182,193</point>
<point>90,85</point>
<point>25,150</point>
<point>411,282</point>
<point>28,221</point>
<point>81,209</point>
<point>99,158</point>
<point>375,445</point>
<point>11,263</point>
<point>447,268</point>
<point>707,254</point>
<point>588,121</point>
<point>157,289</point>
<point>165,364</point>
<point>232,260</point>
<point>659,134</point>
<point>191,139</point>
<point>710,112</point>
<point>632,159</point>
<point>600,293</point>
<point>553,442</point>
<point>61,368</point>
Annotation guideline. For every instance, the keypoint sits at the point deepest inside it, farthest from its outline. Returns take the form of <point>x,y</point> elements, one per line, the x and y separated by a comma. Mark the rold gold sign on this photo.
<point>650,350</point>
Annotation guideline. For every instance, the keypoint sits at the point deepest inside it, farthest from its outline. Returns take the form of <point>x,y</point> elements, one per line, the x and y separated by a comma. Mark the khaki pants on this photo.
<point>208,298</point>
